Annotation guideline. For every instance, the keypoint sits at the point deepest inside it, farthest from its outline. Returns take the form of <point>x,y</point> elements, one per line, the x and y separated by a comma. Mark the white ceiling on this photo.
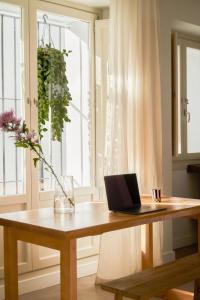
<point>93,3</point>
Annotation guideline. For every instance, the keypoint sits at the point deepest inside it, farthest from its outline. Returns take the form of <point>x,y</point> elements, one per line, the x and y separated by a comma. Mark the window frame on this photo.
<point>29,9</point>
<point>24,198</point>
<point>183,41</point>
<point>34,5</point>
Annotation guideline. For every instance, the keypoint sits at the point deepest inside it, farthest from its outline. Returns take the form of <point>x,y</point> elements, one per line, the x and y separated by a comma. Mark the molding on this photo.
<point>183,241</point>
<point>41,279</point>
<point>86,8</point>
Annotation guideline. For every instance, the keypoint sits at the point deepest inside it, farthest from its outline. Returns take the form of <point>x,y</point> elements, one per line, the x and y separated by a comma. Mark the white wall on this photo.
<point>179,15</point>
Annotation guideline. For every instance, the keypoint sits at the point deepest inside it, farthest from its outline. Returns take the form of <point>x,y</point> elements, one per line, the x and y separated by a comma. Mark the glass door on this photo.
<point>57,29</point>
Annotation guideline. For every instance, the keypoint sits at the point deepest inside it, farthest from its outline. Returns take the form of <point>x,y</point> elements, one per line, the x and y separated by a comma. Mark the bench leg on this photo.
<point>120,297</point>
<point>197,289</point>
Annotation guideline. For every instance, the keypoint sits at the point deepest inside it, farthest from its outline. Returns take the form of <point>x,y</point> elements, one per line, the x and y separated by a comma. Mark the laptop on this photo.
<point>123,195</point>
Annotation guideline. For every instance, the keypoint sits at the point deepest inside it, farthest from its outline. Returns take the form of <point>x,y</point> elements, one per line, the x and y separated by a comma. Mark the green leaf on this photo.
<point>35,161</point>
<point>53,90</point>
<point>21,145</point>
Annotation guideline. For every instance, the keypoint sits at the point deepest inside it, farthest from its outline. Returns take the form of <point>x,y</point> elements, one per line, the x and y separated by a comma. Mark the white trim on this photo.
<point>81,15</point>
<point>17,2</point>
<point>183,41</point>
<point>75,6</point>
<point>49,277</point>
<point>186,158</point>
<point>10,200</point>
<point>188,37</point>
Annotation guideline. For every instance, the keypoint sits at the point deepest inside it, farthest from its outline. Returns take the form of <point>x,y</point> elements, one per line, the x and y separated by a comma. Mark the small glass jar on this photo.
<point>156,195</point>
<point>64,195</point>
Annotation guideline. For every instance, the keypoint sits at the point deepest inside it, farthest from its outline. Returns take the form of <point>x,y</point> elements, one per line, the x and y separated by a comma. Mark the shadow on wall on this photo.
<point>185,185</point>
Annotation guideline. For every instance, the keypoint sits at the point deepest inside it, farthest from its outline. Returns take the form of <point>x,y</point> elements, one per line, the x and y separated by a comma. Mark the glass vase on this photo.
<point>64,195</point>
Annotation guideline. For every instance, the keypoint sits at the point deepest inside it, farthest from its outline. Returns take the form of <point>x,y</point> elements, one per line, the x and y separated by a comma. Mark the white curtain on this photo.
<point>133,123</point>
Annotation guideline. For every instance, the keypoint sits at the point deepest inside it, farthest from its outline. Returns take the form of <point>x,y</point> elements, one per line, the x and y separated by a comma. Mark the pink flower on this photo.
<point>16,121</point>
<point>30,135</point>
<point>8,121</point>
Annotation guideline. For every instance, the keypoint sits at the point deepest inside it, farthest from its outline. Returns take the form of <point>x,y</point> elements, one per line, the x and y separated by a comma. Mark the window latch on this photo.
<point>35,102</point>
<point>188,117</point>
<point>186,101</point>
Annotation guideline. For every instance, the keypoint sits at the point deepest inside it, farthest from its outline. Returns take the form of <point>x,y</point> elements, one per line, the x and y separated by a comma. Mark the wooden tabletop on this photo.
<point>93,218</point>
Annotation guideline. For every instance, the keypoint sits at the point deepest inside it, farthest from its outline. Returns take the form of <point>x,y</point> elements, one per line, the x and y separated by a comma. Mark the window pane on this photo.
<point>72,155</point>
<point>193,96</point>
<point>11,159</point>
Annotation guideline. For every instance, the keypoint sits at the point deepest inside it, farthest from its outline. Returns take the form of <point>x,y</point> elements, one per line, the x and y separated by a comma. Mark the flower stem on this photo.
<point>41,157</point>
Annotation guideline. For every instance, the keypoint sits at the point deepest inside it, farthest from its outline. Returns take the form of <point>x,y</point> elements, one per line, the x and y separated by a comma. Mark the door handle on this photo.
<point>35,101</point>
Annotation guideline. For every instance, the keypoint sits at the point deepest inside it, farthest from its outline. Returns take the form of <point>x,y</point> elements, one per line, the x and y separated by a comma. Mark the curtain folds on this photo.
<point>133,140</point>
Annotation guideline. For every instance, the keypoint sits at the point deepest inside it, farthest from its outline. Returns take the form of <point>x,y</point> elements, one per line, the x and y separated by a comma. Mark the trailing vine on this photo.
<point>53,91</point>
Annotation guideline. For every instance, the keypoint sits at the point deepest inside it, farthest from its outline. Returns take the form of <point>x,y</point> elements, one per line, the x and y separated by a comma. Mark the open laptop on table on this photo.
<point>123,195</point>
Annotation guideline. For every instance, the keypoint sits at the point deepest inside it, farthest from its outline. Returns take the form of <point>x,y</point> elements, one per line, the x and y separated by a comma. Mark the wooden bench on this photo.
<point>157,281</point>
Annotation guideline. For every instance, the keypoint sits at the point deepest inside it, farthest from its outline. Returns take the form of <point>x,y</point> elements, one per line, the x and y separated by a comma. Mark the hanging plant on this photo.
<point>53,91</point>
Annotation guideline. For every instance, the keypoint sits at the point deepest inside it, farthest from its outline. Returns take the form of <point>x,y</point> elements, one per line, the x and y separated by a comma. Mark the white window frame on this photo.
<point>84,192</point>
<point>29,9</point>
<point>26,197</point>
<point>180,126</point>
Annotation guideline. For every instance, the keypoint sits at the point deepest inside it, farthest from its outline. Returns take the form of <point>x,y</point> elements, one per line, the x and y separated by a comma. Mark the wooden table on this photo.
<point>57,231</point>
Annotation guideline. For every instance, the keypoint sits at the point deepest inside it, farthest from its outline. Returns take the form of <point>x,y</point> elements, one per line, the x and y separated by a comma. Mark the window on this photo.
<point>11,97</point>
<point>73,155</point>
<point>21,31</point>
<point>22,186</point>
<point>186,96</point>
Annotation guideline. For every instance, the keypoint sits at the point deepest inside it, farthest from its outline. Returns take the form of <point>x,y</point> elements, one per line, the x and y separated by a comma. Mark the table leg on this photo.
<point>197,281</point>
<point>147,246</point>
<point>10,265</point>
<point>68,270</point>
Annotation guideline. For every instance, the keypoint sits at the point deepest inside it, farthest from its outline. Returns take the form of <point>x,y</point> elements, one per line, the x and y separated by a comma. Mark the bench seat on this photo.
<point>156,281</point>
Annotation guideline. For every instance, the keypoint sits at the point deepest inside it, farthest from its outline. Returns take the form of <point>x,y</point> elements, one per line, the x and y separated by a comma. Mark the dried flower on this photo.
<point>26,138</point>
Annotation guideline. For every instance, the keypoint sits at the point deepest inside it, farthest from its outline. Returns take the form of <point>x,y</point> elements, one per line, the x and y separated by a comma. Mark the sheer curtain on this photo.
<point>133,141</point>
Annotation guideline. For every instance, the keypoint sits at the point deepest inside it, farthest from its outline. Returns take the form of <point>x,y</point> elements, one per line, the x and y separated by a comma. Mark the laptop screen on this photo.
<point>122,192</point>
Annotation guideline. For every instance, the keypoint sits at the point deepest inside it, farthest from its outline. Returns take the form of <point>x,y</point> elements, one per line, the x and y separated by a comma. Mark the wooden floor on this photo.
<point>87,289</point>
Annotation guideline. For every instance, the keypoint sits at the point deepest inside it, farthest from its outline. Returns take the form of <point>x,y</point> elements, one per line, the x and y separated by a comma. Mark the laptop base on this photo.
<point>142,210</point>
